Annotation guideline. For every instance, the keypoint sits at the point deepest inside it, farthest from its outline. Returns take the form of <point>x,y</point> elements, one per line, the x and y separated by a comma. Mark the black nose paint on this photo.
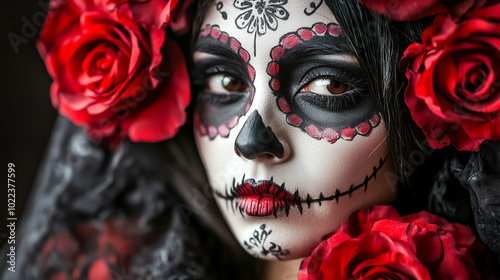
<point>256,139</point>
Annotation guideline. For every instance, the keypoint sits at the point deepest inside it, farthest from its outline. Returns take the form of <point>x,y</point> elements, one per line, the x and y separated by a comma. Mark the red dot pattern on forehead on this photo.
<point>223,129</point>
<point>290,41</point>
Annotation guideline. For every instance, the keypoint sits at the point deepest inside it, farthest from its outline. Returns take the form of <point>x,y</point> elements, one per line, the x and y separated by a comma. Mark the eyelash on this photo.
<point>219,98</point>
<point>199,84</point>
<point>335,102</point>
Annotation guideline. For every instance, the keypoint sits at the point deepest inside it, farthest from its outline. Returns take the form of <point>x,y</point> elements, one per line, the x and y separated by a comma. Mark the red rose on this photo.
<point>158,13</point>
<point>369,246</point>
<point>454,80</point>
<point>109,74</point>
<point>373,255</point>
<point>415,10</point>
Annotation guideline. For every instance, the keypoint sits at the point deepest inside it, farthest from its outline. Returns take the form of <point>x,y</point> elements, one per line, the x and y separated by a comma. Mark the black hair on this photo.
<point>82,183</point>
<point>152,196</point>
<point>379,44</point>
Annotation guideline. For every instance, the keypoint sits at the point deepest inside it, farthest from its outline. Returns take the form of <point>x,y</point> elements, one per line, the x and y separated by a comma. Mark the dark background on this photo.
<point>26,112</point>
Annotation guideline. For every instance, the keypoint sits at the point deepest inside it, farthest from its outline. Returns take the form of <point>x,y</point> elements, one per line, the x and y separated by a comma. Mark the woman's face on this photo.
<point>290,138</point>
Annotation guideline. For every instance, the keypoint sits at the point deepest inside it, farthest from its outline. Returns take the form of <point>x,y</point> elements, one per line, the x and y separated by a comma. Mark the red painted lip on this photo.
<point>262,198</point>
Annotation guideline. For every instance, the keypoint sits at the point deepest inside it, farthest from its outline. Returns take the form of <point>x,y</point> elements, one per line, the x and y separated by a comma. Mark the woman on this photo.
<point>299,120</point>
<point>278,172</point>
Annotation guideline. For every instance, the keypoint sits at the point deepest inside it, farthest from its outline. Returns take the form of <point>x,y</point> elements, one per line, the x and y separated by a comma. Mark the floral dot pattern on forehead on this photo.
<point>318,131</point>
<point>203,118</point>
<point>258,17</point>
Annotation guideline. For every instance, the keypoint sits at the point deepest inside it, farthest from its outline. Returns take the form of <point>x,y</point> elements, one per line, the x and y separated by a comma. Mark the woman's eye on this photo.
<point>225,83</point>
<point>326,86</point>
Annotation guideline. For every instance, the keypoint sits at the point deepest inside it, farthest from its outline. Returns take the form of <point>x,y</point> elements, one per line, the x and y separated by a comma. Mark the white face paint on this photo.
<point>307,154</point>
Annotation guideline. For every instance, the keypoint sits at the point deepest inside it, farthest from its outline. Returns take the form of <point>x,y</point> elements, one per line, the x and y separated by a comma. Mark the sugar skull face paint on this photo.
<point>229,92</point>
<point>326,99</point>
<point>267,175</point>
<point>265,197</point>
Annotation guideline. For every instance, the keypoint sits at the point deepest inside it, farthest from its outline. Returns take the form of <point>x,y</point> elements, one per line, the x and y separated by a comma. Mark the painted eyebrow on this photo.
<point>325,46</point>
<point>212,46</point>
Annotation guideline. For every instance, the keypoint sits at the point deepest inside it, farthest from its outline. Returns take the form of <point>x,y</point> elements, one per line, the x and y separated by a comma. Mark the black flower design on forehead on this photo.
<point>259,15</point>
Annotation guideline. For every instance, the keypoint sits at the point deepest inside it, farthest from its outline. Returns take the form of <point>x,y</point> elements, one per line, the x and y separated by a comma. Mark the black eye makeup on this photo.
<point>225,83</point>
<point>222,81</point>
<point>326,98</point>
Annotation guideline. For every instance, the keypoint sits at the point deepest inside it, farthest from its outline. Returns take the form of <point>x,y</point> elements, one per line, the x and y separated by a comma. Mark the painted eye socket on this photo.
<point>225,83</point>
<point>326,86</point>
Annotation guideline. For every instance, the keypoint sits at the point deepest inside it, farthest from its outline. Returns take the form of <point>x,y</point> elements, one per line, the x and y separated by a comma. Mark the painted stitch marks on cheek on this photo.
<point>338,194</point>
<point>259,247</point>
<point>329,116</point>
<point>227,85</point>
<point>259,16</point>
<point>266,198</point>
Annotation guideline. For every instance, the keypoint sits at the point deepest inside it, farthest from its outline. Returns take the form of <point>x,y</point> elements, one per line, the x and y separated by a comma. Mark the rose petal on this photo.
<point>166,114</point>
<point>405,10</point>
<point>413,247</point>
<point>445,96</point>
<point>479,131</point>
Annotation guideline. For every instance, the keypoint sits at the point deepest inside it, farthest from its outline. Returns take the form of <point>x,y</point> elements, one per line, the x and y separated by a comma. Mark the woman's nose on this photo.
<point>255,139</point>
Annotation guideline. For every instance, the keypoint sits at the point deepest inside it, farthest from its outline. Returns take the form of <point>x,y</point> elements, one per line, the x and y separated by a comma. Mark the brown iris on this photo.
<point>338,87</point>
<point>225,83</point>
<point>326,86</point>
